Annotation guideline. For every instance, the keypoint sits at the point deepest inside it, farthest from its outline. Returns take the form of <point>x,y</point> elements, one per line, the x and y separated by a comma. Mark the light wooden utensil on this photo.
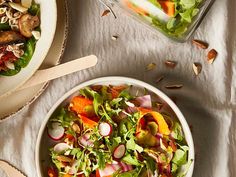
<point>10,170</point>
<point>45,75</point>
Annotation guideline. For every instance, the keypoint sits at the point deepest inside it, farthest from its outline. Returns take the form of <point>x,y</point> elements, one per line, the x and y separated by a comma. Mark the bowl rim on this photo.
<point>119,79</point>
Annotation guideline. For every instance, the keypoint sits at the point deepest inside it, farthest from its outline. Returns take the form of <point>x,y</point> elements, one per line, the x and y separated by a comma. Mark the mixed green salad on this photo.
<point>106,131</point>
<point>172,17</point>
<point>19,32</point>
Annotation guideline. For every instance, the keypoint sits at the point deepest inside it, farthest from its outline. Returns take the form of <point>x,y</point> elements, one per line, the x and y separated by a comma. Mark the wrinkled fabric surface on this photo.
<point>207,101</point>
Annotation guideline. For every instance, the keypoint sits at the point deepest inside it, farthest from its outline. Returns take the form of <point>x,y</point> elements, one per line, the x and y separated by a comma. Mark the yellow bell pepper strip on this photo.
<point>162,125</point>
<point>168,7</point>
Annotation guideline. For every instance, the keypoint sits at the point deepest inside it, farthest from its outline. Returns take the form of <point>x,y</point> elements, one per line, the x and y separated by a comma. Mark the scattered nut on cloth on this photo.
<point>208,101</point>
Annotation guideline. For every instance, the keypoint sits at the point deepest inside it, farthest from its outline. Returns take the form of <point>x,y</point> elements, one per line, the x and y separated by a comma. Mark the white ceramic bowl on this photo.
<point>44,142</point>
<point>48,19</point>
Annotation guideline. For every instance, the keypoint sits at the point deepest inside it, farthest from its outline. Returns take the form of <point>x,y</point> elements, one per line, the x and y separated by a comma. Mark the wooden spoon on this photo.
<point>45,75</point>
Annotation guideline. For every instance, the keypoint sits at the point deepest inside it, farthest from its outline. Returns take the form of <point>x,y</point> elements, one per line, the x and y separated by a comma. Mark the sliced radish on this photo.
<point>125,167</point>
<point>60,147</point>
<point>73,169</point>
<point>119,151</point>
<point>112,168</point>
<point>85,141</point>
<point>105,129</point>
<point>56,132</point>
<point>109,170</point>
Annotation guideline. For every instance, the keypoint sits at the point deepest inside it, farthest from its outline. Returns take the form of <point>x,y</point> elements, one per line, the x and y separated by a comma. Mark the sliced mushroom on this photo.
<point>27,23</point>
<point>10,37</point>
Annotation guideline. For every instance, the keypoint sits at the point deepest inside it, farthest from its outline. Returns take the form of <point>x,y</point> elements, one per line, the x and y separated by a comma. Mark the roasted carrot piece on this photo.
<point>82,105</point>
<point>136,9</point>
<point>168,7</point>
<point>88,122</point>
<point>52,172</point>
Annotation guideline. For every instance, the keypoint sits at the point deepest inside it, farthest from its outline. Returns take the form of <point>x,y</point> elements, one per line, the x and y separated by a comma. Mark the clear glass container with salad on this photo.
<point>177,19</point>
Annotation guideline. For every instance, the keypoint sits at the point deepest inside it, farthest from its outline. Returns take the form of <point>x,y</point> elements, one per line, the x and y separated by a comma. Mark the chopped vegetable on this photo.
<point>105,129</point>
<point>19,32</point>
<point>172,17</point>
<point>56,131</point>
<point>102,139</point>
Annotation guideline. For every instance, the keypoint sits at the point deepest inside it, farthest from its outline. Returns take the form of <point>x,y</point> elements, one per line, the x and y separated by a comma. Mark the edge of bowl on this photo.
<point>180,116</point>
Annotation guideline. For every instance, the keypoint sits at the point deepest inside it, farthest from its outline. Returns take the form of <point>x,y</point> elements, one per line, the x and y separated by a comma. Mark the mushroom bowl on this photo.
<point>27,30</point>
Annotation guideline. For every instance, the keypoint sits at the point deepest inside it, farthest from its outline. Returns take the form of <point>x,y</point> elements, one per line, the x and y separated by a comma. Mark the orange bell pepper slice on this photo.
<point>162,125</point>
<point>168,7</point>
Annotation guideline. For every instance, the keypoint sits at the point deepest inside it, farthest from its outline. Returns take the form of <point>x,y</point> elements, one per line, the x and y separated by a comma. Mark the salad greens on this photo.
<point>105,132</point>
<point>24,60</point>
<point>179,14</point>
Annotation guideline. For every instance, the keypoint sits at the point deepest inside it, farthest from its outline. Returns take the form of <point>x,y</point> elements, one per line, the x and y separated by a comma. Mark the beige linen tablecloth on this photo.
<point>207,101</point>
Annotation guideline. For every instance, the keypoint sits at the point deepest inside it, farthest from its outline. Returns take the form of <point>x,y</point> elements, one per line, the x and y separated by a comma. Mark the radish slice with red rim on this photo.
<point>60,147</point>
<point>119,151</point>
<point>56,131</point>
<point>105,129</point>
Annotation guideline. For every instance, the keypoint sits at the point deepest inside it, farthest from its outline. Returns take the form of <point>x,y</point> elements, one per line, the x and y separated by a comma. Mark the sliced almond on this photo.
<point>197,68</point>
<point>114,37</point>
<point>18,7</point>
<point>150,66</point>
<point>200,44</point>
<point>36,34</point>
<point>9,65</point>
<point>170,64</point>
<point>159,106</point>
<point>159,79</point>
<point>174,86</point>
<point>105,13</point>
<point>211,56</point>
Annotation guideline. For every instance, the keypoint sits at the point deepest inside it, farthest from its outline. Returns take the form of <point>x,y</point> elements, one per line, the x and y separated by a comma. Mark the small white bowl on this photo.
<point>48,21</point>
<point>43,142</point>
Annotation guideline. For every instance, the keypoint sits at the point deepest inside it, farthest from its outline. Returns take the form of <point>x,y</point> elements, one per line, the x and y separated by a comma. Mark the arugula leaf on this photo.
<point>131,145</point>
<point>132,160</point>
<point>97,99</point>
<point>63,116</point>
<point>177,132</point>
<point>125,94</point>
<point>34,9</point>
<point>151,164</point>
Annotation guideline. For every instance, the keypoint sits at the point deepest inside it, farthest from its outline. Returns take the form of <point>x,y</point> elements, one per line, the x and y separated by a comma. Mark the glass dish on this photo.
<point>176,19</point>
